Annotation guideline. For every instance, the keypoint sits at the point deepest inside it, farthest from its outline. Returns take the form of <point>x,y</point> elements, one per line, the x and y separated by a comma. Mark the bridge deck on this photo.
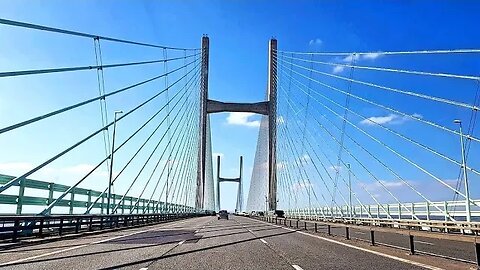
<point>208,243</point>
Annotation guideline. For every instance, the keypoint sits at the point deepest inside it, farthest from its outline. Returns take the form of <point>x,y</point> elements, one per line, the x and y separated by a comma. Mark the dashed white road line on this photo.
<point>426,243</point>
<point>263,241</point>
<point>296,267</point>
<point>85,245</point>
<point>181,242</point>
<point>144,268</point>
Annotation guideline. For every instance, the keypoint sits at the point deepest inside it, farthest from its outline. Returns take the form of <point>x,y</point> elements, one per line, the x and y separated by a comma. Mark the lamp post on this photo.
<point>464,168</point>
<point>111,161</point>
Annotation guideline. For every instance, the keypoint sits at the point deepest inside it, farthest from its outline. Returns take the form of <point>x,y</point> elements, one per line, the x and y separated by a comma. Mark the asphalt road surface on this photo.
<point>205,243</point>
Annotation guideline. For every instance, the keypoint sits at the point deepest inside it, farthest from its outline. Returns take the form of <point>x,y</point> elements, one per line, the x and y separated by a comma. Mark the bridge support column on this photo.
<point>272,124</point>
<point>200,196</point>
<point>238,180</point>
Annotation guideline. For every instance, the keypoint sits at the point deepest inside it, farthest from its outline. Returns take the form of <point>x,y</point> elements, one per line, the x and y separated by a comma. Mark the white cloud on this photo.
<point>281,165</point>
<point>379,120</point>
<point>304,158</point>
<point>242,119</point>
<point>351,57</point>
<point>371,56</point>
<point>335,168</point>
<point>302,185</point>
<point>338,69</point>
<point>316,41</point>
<point>389,119</point>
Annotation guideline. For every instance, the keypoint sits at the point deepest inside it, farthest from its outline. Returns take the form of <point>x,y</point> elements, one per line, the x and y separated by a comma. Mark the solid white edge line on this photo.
<point>296,267</point>
<point>263,241</point>
<point>431,267</point>
<point>426,266</point>
<point>42,255</point>
<point>84,245</point>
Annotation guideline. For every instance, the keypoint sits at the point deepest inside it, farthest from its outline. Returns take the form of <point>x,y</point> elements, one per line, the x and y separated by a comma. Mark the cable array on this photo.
<point>356,140</point>
<point>159,137</point>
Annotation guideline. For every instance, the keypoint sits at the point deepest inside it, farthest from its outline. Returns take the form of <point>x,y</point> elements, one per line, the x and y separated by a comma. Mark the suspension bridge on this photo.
<point>369,163</point>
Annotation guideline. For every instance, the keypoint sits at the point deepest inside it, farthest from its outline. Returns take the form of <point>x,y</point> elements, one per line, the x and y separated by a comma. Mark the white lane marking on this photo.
<point>144,268</point>
<point>196,231</point>
<point>85,245</point>
<point>296,267</point>
<point>263,241</point>
<point>181,242</point>
<point>43,255</point>
<point>431,267</point>
<point>426,243</point>
<point>250,231</point>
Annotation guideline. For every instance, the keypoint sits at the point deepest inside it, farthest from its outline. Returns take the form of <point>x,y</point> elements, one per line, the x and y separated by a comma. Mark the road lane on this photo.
<point>113,248</point>
<point>203,243</point>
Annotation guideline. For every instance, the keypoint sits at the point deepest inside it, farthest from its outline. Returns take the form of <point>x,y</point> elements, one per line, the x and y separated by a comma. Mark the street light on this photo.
<point>111,161</point>
<point>464,168</point>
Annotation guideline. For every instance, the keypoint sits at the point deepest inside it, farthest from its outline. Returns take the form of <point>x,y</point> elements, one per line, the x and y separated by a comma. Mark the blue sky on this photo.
<point>239,34</point>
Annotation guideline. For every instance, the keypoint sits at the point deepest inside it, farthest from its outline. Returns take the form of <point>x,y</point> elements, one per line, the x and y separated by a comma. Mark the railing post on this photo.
<point>72,198</point>
<point>305,225</point>
<point>329,229</point>
<point>89,198</point>
<point>412,245</point>
<point>77,225</point>
<point>21,192</point>
<point>40,230</point>
<point>316,227</point>
<point>347,233</point>
<point>372,238</point>
<point>60,227</point>
<point>297,224</point>
<point>102,205</point>
<point>16,226</point>
<point>413,211</point>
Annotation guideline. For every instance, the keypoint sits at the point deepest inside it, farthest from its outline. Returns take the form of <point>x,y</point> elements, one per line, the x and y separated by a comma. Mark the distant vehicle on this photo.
<point>222,214</point>
<point>260,213</point>
<point>279,213</point>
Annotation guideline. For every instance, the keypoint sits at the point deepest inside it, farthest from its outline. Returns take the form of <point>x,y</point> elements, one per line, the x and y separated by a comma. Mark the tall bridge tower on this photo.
<point>268,108</point>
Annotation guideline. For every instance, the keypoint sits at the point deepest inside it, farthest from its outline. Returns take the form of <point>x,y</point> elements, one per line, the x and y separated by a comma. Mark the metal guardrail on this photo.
<point>425,211</point>
<point>14,228</point>
<point>73,202</point>
<point>409,231</point>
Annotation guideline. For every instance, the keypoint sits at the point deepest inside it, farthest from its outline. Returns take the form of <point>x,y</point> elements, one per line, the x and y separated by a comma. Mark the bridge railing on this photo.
<point>452,211</point>
<point>14,228</point>
<point>74,204</point>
